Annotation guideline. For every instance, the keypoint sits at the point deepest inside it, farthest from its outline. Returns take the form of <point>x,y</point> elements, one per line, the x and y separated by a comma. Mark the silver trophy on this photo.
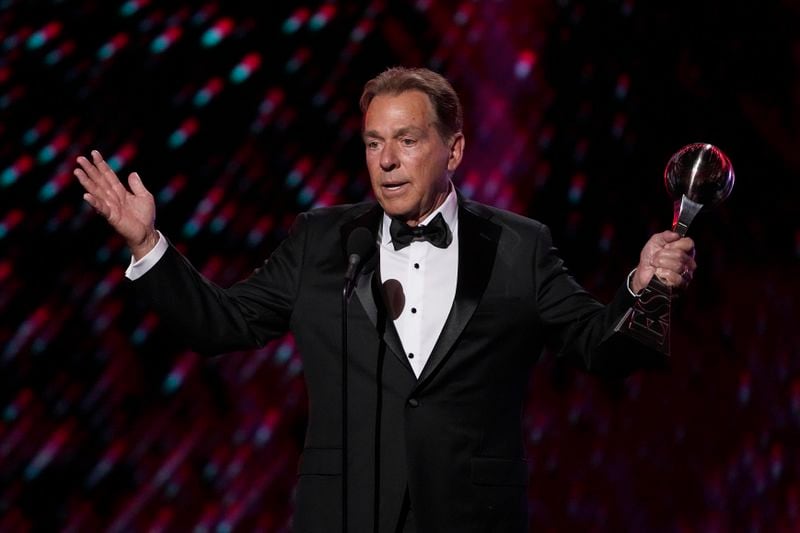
<point>698,175</point>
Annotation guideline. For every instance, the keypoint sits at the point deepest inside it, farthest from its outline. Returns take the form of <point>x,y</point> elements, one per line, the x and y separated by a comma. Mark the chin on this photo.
<point>396,211</point>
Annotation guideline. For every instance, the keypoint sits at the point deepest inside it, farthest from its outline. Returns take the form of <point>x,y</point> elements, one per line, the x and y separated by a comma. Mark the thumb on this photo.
<point>136,185</point>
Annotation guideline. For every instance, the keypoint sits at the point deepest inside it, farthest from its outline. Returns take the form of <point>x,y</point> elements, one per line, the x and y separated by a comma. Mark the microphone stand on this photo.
<point>345,297</point>
<point>359,243</point>
<point>349,284</point>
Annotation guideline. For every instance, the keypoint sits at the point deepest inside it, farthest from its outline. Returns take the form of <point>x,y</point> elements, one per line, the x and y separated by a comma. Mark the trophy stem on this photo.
<point>685,211</point>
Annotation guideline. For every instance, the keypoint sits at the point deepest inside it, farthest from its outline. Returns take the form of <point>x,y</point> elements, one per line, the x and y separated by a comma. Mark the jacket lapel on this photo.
<point>477,245</point>
<point>368,288</point>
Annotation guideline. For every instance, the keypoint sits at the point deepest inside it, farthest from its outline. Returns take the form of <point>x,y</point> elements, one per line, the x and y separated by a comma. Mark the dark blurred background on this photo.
<point>239,115</point>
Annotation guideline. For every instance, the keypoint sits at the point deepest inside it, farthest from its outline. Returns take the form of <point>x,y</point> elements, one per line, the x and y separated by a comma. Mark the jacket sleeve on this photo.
<point>581,329</point>
<point>215,320</point>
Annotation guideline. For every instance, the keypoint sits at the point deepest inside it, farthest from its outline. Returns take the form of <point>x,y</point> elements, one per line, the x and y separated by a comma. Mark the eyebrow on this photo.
<point>372,134</point>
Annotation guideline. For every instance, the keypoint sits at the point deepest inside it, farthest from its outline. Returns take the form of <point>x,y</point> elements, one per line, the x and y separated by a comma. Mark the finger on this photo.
<point>89,169</point>
<point>666,255</point>
<point>685,243</point>
<point>668,236</point>
<point>99,206</point>
<point>108,176</point>
<point>136,185</point>
<point>671,264</point>
<point>671,278</point>
<point>86,182</point>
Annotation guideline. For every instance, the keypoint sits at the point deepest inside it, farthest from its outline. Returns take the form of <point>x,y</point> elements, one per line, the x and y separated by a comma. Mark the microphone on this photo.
<point>359,245</point>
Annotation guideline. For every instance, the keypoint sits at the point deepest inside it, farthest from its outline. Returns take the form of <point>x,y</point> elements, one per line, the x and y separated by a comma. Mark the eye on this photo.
<point>372,145</point>
<point>408,141</point>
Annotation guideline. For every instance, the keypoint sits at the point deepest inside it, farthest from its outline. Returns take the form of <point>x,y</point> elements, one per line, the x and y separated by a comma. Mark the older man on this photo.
<point>449,316</point>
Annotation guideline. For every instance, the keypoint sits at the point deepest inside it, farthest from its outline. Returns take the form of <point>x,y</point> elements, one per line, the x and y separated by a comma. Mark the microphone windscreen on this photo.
<point>360,242</point>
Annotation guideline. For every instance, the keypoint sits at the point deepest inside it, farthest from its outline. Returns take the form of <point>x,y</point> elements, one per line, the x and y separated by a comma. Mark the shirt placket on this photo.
<point>415,275</point>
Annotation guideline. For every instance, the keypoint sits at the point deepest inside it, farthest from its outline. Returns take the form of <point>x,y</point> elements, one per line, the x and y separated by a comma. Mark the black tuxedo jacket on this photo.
<point>453,437</point>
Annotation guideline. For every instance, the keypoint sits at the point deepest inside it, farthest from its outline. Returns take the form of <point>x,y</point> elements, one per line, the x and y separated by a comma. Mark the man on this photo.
<point>448,318</point>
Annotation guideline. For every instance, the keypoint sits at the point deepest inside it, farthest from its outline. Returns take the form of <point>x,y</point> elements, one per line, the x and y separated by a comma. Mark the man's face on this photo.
<point>409,163</point>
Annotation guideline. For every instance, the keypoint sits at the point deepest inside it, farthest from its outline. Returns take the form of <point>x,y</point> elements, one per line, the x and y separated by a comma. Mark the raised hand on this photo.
<point>668,256</point>
<point>131,213</point>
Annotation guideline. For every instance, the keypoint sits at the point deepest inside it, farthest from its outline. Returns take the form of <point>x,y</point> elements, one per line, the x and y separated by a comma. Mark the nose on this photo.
<point>389,160</point>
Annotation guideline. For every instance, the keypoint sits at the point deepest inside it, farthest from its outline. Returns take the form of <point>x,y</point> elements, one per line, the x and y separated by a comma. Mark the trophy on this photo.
<point>697,175</point>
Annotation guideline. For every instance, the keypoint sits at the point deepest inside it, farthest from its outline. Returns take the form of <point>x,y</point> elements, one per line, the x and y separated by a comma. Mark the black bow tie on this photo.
<point>436,232</point>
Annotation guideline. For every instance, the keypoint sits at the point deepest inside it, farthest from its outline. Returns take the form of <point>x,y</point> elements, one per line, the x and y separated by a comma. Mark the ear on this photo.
<point>456,151</point>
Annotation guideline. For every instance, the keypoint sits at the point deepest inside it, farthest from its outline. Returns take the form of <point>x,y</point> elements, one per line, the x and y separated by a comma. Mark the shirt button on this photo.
<point>413,309</point>
<point>413,402</point>
<point>411,356</point>
<point>416,265</point>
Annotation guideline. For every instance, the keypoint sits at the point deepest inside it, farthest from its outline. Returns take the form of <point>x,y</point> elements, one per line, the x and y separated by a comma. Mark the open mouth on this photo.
<point>391,187</point>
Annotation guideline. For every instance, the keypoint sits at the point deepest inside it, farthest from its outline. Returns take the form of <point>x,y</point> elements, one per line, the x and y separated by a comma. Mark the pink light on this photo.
<point>114,45</point>
<point>298,18</point>
<point>361,30</point>
<point>49,450</point>
<point>188,128</point>
<point>166,39</point>
<point>322,17</point>
<point>623,86</point>
<point>577,187</point>
<point>12,219</point>
<point>123,156</point>
<point>5,270</point>
<point>47,33</point>
<point>224,27</point>
<point>261,228</point>
<point>525,63</point>
<point>246,67</point>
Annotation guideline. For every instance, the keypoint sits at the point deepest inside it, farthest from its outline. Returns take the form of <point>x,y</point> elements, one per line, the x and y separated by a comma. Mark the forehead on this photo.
<point>392,111</point>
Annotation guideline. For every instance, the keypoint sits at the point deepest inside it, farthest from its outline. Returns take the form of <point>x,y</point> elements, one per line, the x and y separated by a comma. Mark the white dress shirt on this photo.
<point>426,285</point>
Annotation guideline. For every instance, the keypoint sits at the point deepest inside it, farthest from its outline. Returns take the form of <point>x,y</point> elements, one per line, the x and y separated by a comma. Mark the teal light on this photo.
<point>53,57</point>
<point>46,154</point>
<point>106,51</point>
<point>211,37</point>
<point>30,137</point>
<point>47,191</point>
<point>294,178</point>
<point>159,44</point>
<point>240,73</point>
<point>36,40</point>
<point>172,383</point>
<point>218,224</point>
<point>11,412</point>
<point>8,176</point>
<point>177,138</point>
<point>190,229</point>
<point>115,163</point>
<point>291,25</point>
<point>129,8</point>
<point>138,336</point>
<point>317,22</point>
<point>202,98</point>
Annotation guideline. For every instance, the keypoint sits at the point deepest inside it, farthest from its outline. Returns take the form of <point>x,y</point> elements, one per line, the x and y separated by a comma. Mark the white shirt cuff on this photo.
<point>139,268</point>
<point>628,284</point>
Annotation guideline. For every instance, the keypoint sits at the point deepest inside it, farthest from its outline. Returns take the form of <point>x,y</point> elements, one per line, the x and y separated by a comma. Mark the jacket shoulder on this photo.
<point>502,217</point>
<point>338,215</point>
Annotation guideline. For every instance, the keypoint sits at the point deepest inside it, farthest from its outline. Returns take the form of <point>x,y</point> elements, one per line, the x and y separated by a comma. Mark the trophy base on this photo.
<point>647,320</point>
